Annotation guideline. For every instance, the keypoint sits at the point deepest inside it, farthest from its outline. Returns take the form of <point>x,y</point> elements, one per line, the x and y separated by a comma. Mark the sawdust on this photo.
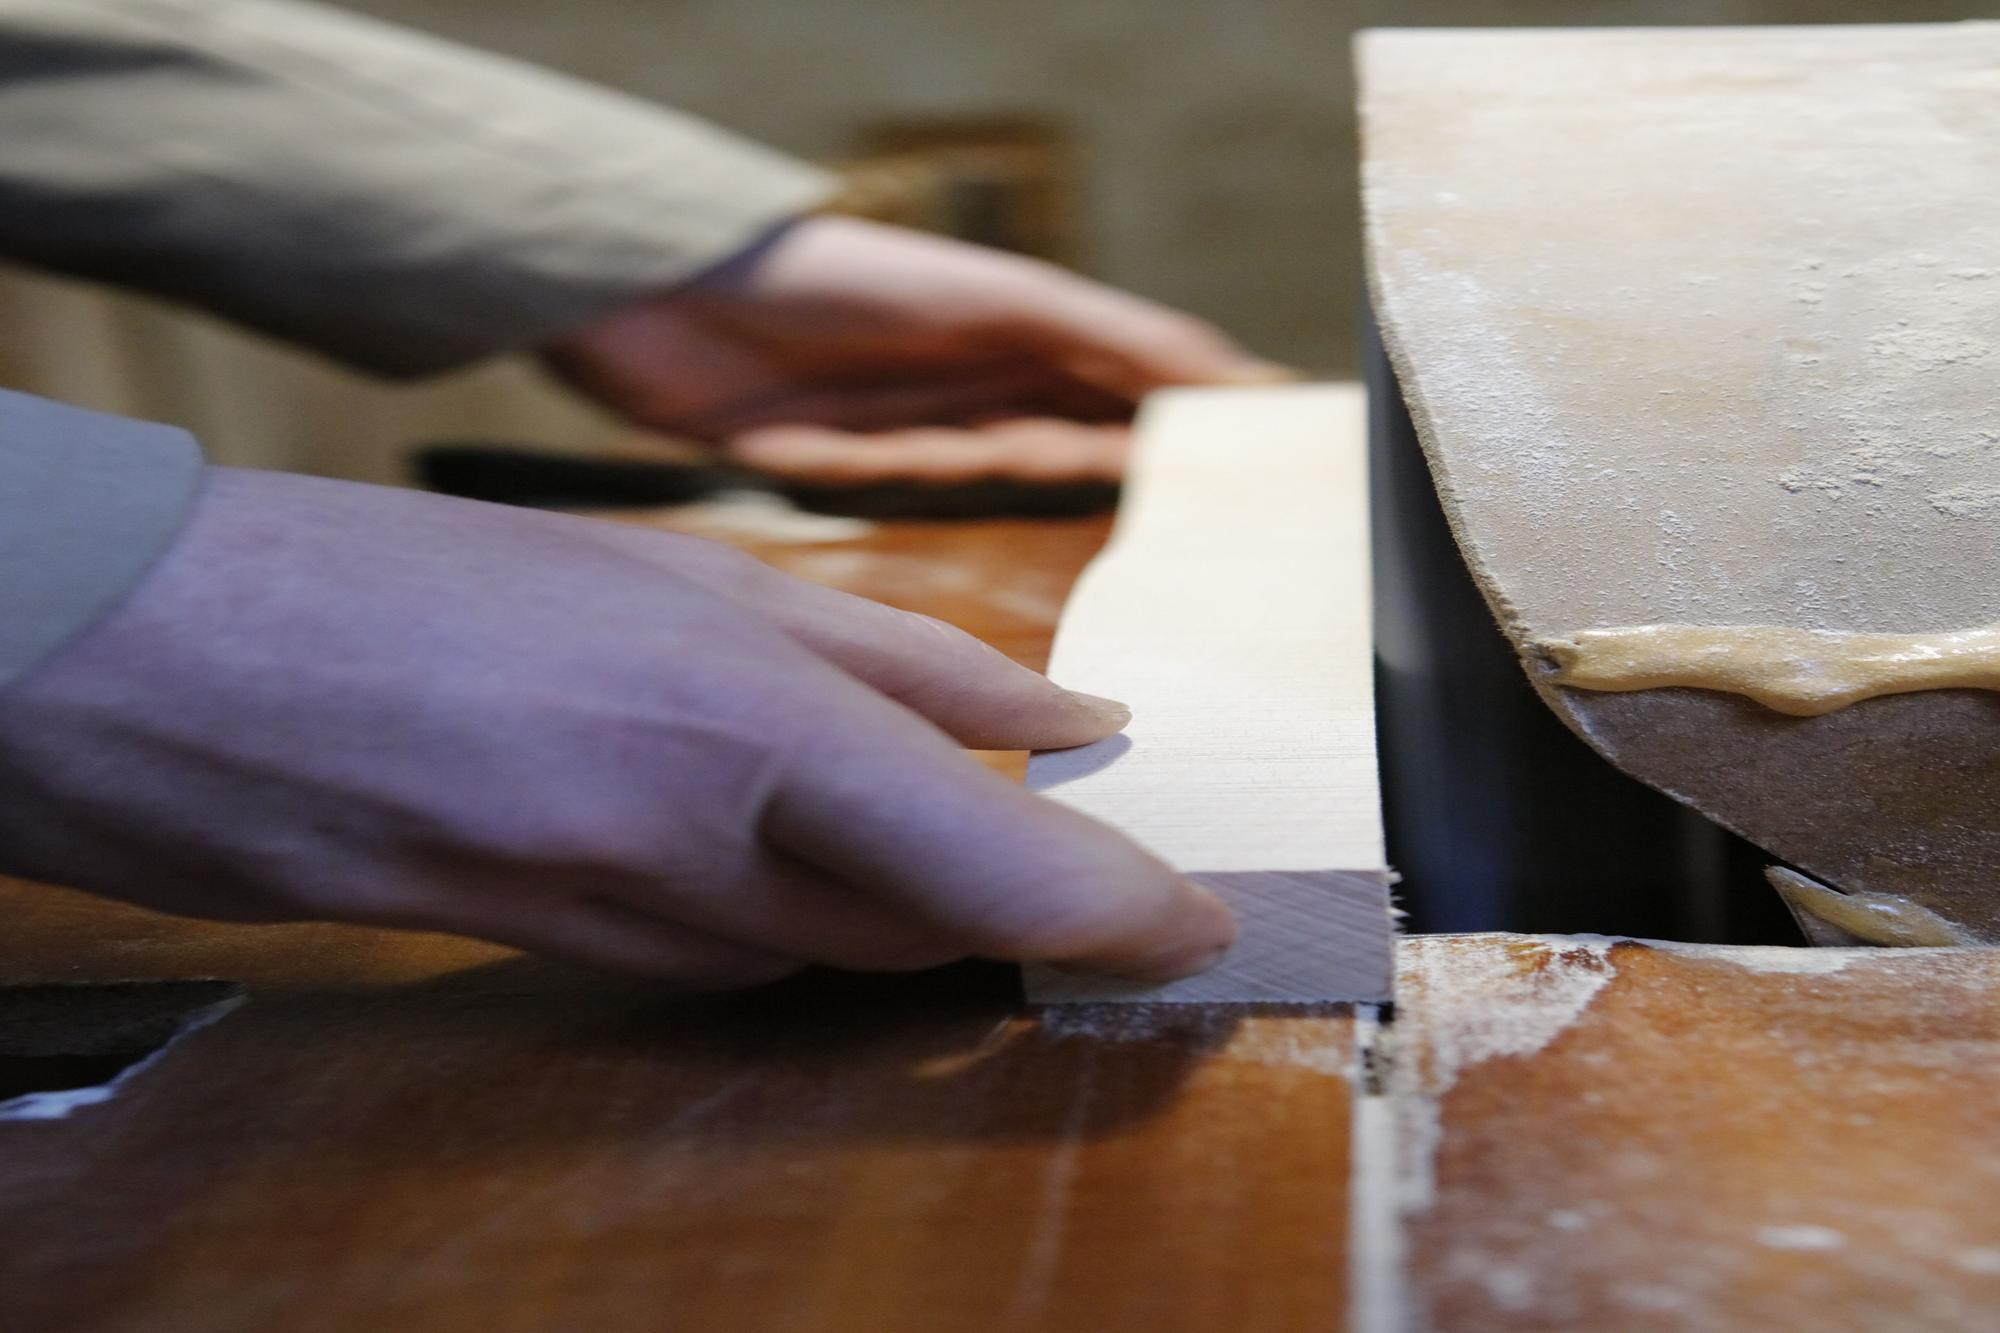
<point>1928,348</point>
<point>1971,501</point>
<point>1801,1237</point>
<point>1981,1259</point>
<point>1779,958</point>
<point>1304,1040</point>
<point>1458,1007</point>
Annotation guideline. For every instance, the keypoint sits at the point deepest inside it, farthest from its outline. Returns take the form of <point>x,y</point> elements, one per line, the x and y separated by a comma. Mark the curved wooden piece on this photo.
<point>1230,610</point>
<point>1702,327</point>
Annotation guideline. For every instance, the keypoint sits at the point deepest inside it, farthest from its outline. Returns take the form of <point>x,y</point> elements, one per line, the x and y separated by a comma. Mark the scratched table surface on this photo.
<point>421,1133</point>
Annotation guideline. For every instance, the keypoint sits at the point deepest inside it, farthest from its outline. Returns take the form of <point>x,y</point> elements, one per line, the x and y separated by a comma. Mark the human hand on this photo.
<point>626,747</point>
<point>844,350</point>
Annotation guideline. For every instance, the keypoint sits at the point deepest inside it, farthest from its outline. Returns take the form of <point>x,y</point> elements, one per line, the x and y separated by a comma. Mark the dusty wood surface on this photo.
<point>1698,1137</point>
<point>1699,327</point>
<point>415,1133</point>
<point>1230,609</point>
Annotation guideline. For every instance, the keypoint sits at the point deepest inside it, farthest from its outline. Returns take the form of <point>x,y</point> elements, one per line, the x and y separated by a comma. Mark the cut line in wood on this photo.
<point>1230,609</point>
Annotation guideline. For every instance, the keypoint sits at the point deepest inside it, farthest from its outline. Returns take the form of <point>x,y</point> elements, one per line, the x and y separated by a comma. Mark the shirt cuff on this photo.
<point>87,503</point>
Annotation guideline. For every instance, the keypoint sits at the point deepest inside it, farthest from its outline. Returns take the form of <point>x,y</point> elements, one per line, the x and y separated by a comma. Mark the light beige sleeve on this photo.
<point>394,201</point>
<point>398,203</point>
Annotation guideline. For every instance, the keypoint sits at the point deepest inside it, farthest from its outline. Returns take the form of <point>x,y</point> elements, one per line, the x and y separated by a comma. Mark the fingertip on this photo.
<point>1197,935</point>
<point>1108,713</point>
<point>1031,712</point>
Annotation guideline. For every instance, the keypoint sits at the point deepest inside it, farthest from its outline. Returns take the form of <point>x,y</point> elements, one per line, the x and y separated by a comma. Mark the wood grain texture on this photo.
<point>1230,610</point>
<point>1698,327</point>
<point>411,1132</point>
<point>1611,1135</point>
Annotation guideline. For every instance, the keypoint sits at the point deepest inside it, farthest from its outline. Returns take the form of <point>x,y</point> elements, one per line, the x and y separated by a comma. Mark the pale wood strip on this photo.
<point>1231,610</point>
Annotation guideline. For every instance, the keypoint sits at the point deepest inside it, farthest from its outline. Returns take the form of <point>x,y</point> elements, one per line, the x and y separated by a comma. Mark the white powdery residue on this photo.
<point>1288,1046</point>
<point>1800,479</point>
<point>1378,1284</point>
<point>1978,442</point>
<point>1140,1023</point>
<point>1766,957</point>
<point>1973,501</point>
<point>59,1105</point>
<point>1461,1006</point>
<point>1981,1259</point>
<point>1508,1287</point>
<point>1280,1043</point>
<point>1869,465</point>
<point>1801,1238</point>
<point>1928,349</point>
<point>1676,546</point>
<point>1476,377</point>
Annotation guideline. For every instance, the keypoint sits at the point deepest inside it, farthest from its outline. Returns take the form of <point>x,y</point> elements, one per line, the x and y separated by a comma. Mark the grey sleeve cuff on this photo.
<point>87,503</point>
<point>394,201</point>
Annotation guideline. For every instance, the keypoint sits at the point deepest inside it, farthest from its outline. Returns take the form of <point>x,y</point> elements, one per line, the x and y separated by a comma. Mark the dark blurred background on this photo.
<point>1201,152</point>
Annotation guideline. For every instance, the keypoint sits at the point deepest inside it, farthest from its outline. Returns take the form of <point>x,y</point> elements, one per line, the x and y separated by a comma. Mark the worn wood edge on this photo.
<point>1408,380</point>
<point>1231,608</point>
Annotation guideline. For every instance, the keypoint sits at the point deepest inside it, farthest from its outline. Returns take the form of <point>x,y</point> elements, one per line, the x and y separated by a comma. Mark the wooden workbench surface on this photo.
<point>419,1133</point>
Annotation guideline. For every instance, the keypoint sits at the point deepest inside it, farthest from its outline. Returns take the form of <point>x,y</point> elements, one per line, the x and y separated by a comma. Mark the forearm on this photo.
<point>397,202</point>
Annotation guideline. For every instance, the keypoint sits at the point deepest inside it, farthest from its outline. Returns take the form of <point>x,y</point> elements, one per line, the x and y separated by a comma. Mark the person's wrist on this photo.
<point>740,268</point>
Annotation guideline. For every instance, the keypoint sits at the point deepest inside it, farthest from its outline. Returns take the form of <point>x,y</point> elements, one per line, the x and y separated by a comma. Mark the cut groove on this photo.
<point>65,1046</point>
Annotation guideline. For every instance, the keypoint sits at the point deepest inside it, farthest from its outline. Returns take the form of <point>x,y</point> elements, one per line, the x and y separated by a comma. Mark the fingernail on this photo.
<point>1206,942</point>
<point>1114,713</point>
<point>1177,966</point>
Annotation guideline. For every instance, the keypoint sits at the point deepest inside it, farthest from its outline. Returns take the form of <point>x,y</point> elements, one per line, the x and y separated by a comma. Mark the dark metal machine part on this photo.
<point>1497,815</point>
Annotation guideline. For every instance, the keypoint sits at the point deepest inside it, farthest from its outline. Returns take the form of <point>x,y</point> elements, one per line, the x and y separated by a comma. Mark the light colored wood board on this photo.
<point>1700,326</point>
<point>1601,1134</point>
<point>1230,610</point>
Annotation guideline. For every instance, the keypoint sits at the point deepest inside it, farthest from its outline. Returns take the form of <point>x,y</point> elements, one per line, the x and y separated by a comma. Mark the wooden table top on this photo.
<point>420,1133</point>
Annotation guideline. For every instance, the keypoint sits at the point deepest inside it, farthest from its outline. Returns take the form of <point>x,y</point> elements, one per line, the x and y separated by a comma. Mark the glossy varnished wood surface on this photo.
<point>1696,1137</point>
<point>413,1132</point>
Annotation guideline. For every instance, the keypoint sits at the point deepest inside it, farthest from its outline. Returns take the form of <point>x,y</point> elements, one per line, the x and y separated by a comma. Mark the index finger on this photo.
<point>893,809</point>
